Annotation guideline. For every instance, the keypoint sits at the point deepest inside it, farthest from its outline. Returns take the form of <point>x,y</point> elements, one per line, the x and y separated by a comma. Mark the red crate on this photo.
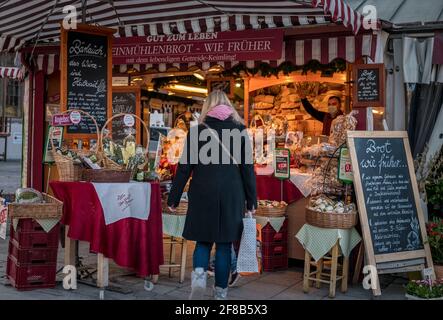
<point>269,235</point>
<point>276,262</point>
<point>32,276</point>
<point>275,248</point>
<point>38,239</point>
<point>32,256</point>
<point>28,225</point>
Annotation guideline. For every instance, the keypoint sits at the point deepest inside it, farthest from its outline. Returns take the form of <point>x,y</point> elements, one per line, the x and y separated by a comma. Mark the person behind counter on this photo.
<point>334,110</point>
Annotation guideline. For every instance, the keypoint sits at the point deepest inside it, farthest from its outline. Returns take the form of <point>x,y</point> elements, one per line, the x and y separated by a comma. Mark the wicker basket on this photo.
<point>108,163</point>
<point>181,209</point>
<point>331,220</point>
<point>271,211</point>
<point>52,208</point>
<point>107,175</point>
<point>67,169</point>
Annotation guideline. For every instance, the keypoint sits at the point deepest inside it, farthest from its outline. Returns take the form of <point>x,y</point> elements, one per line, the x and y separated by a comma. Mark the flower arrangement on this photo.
<point>435,239</point>
<point>425,289</point>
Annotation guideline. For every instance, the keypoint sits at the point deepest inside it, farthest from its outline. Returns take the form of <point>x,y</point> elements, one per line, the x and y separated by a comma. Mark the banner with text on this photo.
<point>199,47</point>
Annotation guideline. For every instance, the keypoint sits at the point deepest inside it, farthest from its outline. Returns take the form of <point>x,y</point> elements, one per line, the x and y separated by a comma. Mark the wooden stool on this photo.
<point>331,277</point>
<point>173,241</point>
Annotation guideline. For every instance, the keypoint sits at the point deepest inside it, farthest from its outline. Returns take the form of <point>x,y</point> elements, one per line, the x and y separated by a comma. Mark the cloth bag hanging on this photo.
<point>247,261</point>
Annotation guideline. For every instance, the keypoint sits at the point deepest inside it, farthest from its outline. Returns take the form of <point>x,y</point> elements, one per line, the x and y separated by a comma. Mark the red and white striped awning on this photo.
<point>341,11</point>
<point>25,22</point>
<point>325,49</point>
<point>10,72</point>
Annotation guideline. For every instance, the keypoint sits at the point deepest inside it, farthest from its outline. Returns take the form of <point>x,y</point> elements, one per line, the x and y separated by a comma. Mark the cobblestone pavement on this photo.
<point>280,285</point>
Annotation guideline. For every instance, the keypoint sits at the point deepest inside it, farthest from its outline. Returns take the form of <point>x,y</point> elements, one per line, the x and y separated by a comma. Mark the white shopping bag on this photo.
<point>247,255</point>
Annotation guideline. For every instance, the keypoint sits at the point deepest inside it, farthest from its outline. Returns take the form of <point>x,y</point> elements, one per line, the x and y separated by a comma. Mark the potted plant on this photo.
<point>424,290</point>
<point>434,230</point>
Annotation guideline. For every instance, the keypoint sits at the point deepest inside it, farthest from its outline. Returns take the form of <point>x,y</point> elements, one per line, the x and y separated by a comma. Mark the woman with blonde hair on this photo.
<point>219,193</point>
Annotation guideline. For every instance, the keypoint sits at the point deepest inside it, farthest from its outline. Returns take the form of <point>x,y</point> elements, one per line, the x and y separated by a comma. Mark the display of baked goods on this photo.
<point>322,203</point>
<point>272,204</point>
<point>340,126</point>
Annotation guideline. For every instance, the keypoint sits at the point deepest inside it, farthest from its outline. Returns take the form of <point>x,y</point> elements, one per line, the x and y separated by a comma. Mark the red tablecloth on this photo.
<point>132,243</point>
<point>269,188</point>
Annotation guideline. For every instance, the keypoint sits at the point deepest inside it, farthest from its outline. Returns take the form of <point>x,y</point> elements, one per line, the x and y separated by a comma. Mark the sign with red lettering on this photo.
<point>199,47</point>
<point>61,120</point>
<point>282,169</point>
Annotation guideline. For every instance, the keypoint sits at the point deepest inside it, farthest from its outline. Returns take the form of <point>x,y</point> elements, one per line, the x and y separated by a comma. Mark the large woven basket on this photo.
<point>271,211</point>
<point>52,208</point>
<point>107,175</point>
<point>67,169</point>
<point>332,220</point>
<point>108,163</point>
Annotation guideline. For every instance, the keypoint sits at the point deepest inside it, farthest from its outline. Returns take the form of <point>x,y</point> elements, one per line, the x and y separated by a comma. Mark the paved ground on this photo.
<point>10,175</point>
<point>282,285</point>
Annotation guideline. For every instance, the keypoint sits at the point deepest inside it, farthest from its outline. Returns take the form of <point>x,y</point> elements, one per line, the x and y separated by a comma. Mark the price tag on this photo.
<point>428,272</point>
<point>345,166</point>
<point>128,120</point>
<point>75,117</point>
<point>281,164</point>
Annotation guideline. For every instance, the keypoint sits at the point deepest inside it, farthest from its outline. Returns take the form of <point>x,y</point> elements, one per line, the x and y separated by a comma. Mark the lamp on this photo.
<point>198,76</point>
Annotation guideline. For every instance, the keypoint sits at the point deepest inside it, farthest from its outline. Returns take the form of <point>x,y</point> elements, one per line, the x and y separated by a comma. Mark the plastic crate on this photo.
<point>38,239</point>
<point>32,256</point>
<point>32,276</point>
<point>269,235</point>
<point>275,248</point>
<point>276,262</point>
<point>28,225</point>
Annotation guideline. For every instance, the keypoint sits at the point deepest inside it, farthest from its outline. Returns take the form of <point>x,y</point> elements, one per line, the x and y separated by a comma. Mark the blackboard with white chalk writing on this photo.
<point>87,78</point>
<point>391,217</point>
<point>388,195</point>
<point>368,85</point>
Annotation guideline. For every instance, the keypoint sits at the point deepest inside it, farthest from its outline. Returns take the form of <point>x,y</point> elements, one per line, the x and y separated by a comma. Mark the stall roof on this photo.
<point>404,12</point>
<point>24,22</point>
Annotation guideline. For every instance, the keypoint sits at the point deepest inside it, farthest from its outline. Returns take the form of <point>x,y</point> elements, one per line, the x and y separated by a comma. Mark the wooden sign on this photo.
<point>392,220</point>
<point>86,73</point>
<point>282,168</point>
<point>125,100</point>
<point>369,84</point>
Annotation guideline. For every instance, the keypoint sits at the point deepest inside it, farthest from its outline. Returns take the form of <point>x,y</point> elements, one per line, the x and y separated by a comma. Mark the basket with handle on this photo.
<point>68,170</point>
<point>109,163</point>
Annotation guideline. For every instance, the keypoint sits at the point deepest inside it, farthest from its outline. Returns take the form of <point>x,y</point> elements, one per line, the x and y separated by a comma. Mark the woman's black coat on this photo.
<point>218,193</point>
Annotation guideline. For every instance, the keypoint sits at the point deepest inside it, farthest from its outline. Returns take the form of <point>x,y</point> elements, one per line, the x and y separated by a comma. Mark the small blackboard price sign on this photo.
<point>368,85</point>
<point>388,201</point>
<point>124,100</point>
<point>86,73</point>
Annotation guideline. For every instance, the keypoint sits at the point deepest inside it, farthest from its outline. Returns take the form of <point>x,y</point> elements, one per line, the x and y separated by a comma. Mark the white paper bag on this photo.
<point>247,255</point>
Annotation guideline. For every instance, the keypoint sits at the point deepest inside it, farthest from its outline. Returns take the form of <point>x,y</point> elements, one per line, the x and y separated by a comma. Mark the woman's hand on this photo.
<point>172,209</point>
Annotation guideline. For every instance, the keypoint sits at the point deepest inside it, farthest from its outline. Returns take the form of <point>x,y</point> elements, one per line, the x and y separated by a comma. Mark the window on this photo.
<point>14,99</point>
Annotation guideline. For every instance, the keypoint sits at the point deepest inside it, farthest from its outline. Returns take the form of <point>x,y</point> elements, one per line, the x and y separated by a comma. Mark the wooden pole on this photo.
<point>246,100</point>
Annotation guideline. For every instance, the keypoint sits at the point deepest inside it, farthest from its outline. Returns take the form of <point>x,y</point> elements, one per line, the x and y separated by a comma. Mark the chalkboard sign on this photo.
<point>368,85</point>
<point>387,194</point>
<point>86,75</point>
<point>124,100</point>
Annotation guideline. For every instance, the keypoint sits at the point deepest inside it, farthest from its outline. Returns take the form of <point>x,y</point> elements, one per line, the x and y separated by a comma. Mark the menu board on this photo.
<point>124,100</point>
<point>387,195</point>
<point>368,85</point>
<point>86,73</point>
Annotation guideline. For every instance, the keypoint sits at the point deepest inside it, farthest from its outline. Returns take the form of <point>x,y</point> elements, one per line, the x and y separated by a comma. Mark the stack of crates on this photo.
<point>275,247</point>
<point>32,255</point>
